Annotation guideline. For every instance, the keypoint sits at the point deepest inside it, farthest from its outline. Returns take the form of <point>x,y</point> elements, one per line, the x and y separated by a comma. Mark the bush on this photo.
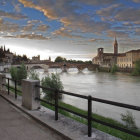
<point>18,73</point>
<point>13,72</point>
<point>136,69</point>
<point>114,69</point>
<point>52,81</point>
<point>34,75</point>
<point>60,59</point>
<point>129,120</point>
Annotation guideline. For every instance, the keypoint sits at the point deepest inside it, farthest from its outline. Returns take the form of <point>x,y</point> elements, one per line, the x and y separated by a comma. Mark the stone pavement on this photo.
<point>14,125</point>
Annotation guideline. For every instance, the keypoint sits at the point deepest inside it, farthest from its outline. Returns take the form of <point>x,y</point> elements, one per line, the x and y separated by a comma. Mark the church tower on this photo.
<point>115,47</point>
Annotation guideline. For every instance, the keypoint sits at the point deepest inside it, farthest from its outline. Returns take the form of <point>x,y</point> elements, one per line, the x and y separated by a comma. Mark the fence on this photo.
<point>89,115</point>
<point>90,118</point>
<point>10,87</point>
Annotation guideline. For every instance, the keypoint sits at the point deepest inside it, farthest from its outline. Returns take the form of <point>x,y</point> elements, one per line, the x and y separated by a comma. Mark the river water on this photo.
<point>118,87</point>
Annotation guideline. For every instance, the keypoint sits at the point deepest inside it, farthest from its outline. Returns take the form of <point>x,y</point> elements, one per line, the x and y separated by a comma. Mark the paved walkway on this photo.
<point>14,125</point>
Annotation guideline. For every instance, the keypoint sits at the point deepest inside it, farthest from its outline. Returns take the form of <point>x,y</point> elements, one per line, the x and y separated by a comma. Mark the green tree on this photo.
<point>34,75</point>
<point>24,58</point>
<point>60,59</point>
<point>52,81</point>
<point>13,72</point>
<point>114,68</point>
<point>137,68</point>
<point>18,73</point>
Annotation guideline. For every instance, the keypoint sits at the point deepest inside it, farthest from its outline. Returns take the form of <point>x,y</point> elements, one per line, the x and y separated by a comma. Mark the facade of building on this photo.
<point>35,59</point>
<point>106,59</point>
<point>128,59</point>
<point>122,60</point>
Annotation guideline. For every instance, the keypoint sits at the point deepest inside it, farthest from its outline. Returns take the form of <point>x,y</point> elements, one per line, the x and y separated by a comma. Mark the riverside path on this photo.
<point>14,125</point>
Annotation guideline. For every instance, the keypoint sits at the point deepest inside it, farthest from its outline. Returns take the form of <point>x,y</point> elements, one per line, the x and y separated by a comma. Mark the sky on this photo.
<point>69,28</point>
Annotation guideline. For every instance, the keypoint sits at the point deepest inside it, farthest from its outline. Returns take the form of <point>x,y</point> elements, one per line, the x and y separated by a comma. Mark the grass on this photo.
<point>13,90</point>
<point>98,126</point>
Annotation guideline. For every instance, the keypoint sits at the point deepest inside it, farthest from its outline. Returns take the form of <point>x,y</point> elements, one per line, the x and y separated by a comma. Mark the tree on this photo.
<point>24,58</point>
<point>13,72</point>
<point>114,69</point>
<point>18,73</point>
<point>136,69</point>
<point>60,59</point>
<point>34,75</point>
<point>52,81</point>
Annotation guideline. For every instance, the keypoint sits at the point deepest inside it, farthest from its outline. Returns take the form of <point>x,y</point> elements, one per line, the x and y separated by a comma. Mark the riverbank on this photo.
<point>123,70</point>
<point>98,126</point>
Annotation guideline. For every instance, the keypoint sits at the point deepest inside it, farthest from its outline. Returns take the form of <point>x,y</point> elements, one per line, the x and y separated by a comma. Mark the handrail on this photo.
<point>89,115</point>
<point>9,87</point>
<point>116,104</point>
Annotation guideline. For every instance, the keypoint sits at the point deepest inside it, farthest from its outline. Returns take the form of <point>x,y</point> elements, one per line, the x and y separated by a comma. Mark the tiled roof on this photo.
<point>133,51</point>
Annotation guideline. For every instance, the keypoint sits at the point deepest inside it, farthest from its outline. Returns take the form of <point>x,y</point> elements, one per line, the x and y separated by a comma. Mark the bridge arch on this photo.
<point>33,66</point>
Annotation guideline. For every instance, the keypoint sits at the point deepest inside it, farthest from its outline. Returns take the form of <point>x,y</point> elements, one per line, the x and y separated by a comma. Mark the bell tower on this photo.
<point>115,47</point>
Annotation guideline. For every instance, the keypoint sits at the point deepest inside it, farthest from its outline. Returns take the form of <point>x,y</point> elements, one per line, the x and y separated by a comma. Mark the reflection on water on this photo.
<point>119,87</point>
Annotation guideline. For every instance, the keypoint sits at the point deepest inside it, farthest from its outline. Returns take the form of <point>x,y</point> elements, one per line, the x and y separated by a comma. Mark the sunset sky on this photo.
<point>70,28</point>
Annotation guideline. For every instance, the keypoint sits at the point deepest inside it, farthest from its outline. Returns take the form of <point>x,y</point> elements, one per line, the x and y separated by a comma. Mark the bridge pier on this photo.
<point>64,69</point>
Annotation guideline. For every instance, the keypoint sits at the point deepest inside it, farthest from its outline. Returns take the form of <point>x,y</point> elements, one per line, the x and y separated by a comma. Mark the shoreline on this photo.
<point>98,126</point>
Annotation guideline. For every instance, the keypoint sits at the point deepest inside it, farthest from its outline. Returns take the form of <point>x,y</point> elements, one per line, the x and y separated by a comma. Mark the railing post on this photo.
<point>30,93</point>
<point>56,105</point>
<point>15,89</point>
<point>89,116</point>
<point>2,82</point>
<point>8,86</point>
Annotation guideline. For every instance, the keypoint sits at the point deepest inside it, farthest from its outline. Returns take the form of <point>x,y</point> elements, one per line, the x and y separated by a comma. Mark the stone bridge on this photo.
<point>80,67</point>
<point>63,66</point>
<point>34,66</point>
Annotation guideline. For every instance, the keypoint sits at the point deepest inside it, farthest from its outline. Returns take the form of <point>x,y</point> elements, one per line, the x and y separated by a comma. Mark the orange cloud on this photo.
<point>65,33</point>
<point>47,12</point>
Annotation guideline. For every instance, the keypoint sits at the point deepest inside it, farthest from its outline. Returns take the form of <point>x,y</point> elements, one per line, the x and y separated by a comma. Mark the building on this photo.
<point>122,60</point>
<point>106,59</point>
<point>128,59</point>
<point>35,59</point>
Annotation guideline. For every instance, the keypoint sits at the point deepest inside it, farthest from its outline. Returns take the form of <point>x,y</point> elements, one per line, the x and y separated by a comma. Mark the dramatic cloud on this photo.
<point>28,28</point>
<point>15,16</point>
<point>42,28</point>
<point>128,14</point>
<point>8,27</point>
<point>64,11</point>
<point>137,1</point>
<point>71,24</point>
<point>34,21</point>
<point>108,12</point>
<point>47,12</point>
<point>65,33</point>
<point>137,31</point>
<point>32,36</point>
<point>97,2</point>
<point>111,33</point>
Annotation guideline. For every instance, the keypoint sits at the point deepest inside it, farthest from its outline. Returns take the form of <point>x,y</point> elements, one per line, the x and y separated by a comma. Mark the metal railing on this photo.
<point>10,87</point>
<point>89,115</point>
